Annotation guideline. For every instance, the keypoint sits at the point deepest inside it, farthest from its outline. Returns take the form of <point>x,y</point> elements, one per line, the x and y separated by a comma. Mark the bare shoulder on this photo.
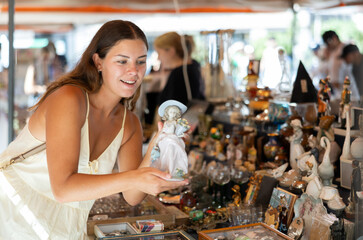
<point>67,98</point>
<point>68,93</point>
<point>65,102</point>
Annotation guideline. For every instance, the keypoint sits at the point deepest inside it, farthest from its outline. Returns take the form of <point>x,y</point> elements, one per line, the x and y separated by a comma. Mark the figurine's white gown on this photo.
<point>172,151</point>
<point>28,209</point>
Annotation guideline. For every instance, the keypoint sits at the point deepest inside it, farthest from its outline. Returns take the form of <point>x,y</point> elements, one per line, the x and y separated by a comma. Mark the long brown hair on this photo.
<point>85,73</point>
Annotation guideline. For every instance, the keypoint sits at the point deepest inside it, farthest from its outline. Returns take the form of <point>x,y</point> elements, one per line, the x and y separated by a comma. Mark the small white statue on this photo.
<point>326,169</point>
<point>296,148</point>
<point>169,152</point>
<point>308,161</point>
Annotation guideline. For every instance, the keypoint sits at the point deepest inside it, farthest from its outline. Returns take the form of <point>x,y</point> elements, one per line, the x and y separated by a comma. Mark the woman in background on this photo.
<point>172,56</point>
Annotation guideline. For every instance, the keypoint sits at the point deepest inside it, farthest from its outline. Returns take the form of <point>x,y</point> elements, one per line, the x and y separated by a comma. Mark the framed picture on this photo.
<point>356,118</point>
<point>281,197</point>
<point>249,231</point>
<point>172,235</point>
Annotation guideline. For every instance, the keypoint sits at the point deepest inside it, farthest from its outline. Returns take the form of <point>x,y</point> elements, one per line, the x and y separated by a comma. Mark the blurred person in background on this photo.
<point>319,68</point>
<point>47,67</point>
<point>171,54</point>
<point>270,67</point>
<point>190,45</point>
<point>354,58</point>
<point>166,79</point>
<point>337,70</point>
<point>239,61</point>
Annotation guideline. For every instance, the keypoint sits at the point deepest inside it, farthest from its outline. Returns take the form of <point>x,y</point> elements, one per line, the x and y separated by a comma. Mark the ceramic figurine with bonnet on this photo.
<point>296,148</point>
<point>169,152</point>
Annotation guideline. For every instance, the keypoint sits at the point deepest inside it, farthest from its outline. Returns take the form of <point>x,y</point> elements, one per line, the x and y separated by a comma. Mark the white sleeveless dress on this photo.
<point>28,209</point>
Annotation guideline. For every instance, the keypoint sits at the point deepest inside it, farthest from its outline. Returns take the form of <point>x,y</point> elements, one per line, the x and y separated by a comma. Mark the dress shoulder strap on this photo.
<point>123,121</point>
<point>87,101</point>
<point>87,98</point>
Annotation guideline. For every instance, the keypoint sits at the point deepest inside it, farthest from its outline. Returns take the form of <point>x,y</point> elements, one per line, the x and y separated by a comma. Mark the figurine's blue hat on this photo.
<point>168,103</point>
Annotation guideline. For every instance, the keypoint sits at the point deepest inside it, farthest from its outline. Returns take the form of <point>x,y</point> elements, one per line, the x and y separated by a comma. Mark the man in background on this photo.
<point>334,49</point>
<point>337,70</point>
<point>353,57</point>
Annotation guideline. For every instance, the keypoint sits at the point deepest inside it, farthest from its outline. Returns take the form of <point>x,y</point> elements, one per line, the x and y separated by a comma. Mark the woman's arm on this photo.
<point>64,113</point>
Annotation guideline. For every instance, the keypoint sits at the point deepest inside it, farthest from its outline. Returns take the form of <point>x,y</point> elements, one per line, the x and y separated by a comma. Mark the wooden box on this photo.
<point>150,208</point>
<point>102,230</point>
<point>252,231</point>
<point>179,235</point>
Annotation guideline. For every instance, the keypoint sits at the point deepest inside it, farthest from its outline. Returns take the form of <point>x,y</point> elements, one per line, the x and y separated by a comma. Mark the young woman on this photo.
<point>86,120</point>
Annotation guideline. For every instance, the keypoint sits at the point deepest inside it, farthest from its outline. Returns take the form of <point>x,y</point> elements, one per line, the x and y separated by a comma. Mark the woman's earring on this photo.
<point>99,71</point>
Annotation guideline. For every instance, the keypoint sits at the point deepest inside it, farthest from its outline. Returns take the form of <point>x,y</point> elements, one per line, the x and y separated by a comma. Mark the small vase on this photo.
<point>356,148</point>
<point>311,115</point>
<point>272,146</point>
<point>281,156</point>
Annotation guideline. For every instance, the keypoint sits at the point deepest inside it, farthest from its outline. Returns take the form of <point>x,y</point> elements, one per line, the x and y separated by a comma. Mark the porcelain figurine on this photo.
<point>296,148</point>
<point>321,103</point>
<point>325,128</point>
<point>344,105</point>
<point>326,169</point>
<point>169,152</point>
<point>314,187</point>
<point>346,153</point>
<point>327,94</point>
<point>309,208</point>
<point>324,98</point>
<point>308,161</point>
<point>356,186</point>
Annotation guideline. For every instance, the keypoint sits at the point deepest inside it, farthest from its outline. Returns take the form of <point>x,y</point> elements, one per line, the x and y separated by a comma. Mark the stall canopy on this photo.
<point>63,12</point>
<point>144,6</point>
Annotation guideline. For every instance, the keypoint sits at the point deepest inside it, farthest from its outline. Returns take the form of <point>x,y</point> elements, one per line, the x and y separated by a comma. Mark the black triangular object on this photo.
<point>304,90</point>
